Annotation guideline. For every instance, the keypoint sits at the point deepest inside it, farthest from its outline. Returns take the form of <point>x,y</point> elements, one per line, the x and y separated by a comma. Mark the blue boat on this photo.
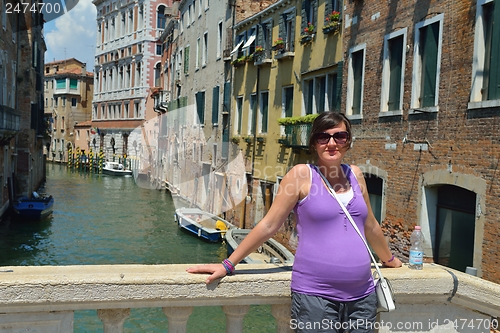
<point>36,208</point>
<point>202,224</point>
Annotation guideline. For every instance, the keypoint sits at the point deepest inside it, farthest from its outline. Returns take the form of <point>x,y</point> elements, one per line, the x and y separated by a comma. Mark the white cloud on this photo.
<point>73,35</point>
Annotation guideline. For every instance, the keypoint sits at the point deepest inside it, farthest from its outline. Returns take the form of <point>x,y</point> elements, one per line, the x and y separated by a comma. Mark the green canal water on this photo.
<point>102,220</point>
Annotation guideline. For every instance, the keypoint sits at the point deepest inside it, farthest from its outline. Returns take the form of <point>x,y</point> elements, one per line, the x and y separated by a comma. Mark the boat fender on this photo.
<point>219,225</point>
<point>199,232</point>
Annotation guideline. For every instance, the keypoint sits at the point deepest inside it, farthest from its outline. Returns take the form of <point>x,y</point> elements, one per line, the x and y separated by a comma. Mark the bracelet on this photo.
<point>392,258</point>
<point>229,266</point>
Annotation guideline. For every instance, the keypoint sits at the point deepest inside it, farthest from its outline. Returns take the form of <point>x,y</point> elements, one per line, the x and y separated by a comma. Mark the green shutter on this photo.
<point>186,60</point>
<point>227,97</point>
<point>494,68</point>
<point>265,111</point>
<point>357,66</point>
<point>215,105</point>
<point>200,106</point>
<point>395,65</point>
<point>338,94</point>
<point>304,18</point>
<point>293,18</point>
<point>429,39</point>
<point>282,32</point>
<point>328,8</point>
<point>315,13</point>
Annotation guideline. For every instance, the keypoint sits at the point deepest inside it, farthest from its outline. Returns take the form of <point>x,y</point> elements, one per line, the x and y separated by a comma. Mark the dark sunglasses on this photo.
<point>340,138</point>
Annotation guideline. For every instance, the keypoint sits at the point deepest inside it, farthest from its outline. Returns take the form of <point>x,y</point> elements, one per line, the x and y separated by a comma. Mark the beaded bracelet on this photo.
<point>392,258</point>
<point>228,265</point>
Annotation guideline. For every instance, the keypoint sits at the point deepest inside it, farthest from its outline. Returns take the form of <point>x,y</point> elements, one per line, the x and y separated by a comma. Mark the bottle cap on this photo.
<point>417,227</point>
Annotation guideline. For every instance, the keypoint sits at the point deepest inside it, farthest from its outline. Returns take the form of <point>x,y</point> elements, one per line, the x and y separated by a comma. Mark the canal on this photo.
<point>102,220</point>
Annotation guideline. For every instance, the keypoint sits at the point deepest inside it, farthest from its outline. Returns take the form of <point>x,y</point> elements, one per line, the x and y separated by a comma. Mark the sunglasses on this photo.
<point>340,138</point>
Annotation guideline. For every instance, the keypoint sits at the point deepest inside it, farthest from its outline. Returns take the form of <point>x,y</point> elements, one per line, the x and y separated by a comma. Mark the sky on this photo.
<point>72,35</point>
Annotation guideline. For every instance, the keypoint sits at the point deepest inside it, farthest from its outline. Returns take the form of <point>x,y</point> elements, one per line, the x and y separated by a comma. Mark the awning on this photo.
<point>249,41</point>
<point>236,48</point>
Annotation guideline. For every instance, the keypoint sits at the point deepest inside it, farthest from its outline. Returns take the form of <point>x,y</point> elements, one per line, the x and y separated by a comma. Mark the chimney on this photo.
<point>84,69</point>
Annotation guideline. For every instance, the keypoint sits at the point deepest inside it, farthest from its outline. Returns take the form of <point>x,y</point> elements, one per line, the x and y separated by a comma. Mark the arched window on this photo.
<point>157,74</point>
<point>162,18</point>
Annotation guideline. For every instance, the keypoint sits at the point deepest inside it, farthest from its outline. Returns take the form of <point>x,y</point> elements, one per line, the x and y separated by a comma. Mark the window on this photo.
<point>73,84</point>
<point>56,99</point>
<point>374,186</point>
<point>161,17</point>
<point>198,53</point>
<point>249,46</point>
<point>427,63</point>
<point>215,105</point>
<point>319,94</point>
<point>287,105</point>
<point>251,114</point>
<point>158,75</point>
<point>309,13</point>
<point>485,85</point>
<point>61,84</point>
<point>333,90</point>
<point>239,114</point>
<point>200,7</point>
<point>200,107</point>
<point>205,49</point>
<point>186,60</point>
<point>63,98</point>
<point>393,71</point>
<point>355,80</point>
<point>308,96</point>
<point>219,39</point>
<point>264,38</point>
<point>333,5</point>
<point>263,112</point>
<point>287,29</point>
<point>159,49</point>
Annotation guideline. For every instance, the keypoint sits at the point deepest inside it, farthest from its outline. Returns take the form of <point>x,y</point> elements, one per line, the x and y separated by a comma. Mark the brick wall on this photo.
<point>464,144</point>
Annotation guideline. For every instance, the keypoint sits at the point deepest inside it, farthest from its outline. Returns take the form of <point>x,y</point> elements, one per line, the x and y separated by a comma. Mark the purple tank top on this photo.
<point>331,260</point>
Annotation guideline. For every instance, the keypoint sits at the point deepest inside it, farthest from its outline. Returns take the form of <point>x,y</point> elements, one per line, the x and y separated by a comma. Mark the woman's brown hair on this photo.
<point>325,121</point>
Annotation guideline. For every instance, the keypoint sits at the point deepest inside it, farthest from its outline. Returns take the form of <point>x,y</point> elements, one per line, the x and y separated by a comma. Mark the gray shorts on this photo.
<point>313,314</point>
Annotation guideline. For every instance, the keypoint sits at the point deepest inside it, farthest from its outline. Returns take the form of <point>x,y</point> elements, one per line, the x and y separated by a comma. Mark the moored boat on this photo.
<point>202,224</point>
<point>115,169</point>
<point>270,252</point>
<point>34,208</point>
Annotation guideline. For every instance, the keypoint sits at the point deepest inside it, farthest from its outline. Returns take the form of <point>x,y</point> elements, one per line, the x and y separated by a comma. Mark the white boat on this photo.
<point>205,225</point>
<point>115,169</point>
<point>270,252</point>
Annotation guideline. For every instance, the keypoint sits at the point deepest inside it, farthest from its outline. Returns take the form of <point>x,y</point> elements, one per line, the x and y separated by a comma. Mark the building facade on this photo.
<point>126,57</point>
<point>420,88</point>
<point>68,92</point>
<point>287,63</point>
<point>22,125</point>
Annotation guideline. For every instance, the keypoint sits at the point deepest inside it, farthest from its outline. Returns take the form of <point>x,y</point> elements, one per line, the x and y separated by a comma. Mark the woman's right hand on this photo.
<point>216,271</point>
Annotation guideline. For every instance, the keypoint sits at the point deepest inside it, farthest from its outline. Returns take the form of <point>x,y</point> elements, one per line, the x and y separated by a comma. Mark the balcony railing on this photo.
<point>296,136</point>
<point>44,298</point>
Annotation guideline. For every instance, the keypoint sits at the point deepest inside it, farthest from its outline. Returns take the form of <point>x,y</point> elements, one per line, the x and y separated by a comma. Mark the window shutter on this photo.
<point>395,64</point>
<point>328,8</point>
<point>227,97</point>
<point>215,105</point>
<point>186,60</point>
<point>357,66</point>
<point>303,23</point>
<point>293,17</point>
<point>494,70</point>
<point>282,32</point>
<point>260,35</point>
<point>315,13</point>
<point>429,41</point>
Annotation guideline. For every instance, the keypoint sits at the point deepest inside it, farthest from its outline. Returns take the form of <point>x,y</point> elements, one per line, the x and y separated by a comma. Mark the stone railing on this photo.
<point>44,298</point>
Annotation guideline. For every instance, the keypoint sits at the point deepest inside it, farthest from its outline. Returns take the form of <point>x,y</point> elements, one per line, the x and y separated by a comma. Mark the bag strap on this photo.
<point>346,212</point>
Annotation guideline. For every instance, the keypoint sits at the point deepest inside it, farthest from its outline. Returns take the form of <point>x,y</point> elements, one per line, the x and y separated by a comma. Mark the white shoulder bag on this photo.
<point>383,289</point>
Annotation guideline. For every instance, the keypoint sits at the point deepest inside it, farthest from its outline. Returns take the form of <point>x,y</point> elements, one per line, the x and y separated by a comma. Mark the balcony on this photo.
<point>296,136</point>
<point>44,298</point>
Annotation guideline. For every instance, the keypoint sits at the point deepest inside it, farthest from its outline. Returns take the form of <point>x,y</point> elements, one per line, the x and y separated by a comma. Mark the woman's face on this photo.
<point>331,149</point>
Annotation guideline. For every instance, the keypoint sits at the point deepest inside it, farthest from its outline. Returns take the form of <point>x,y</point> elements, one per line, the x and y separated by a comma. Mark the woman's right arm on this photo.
<point>293,187</point>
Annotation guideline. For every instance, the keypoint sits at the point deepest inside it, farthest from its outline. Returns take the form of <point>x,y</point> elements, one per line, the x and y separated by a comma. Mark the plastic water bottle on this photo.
<point>416,250</point>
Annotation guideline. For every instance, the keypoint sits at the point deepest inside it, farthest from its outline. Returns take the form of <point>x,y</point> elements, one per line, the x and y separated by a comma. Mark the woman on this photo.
<point>331,278</point>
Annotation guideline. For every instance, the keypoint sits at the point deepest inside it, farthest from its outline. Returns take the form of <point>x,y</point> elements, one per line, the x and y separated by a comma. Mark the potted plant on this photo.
<point>308,34</point>
<point>259,50</point>
<point>332,22</point>
<point>235,139</point>
<point>239,61</point>
<point>278,44</point>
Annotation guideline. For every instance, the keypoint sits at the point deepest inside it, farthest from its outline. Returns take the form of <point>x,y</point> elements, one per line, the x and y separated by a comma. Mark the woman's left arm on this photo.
<point>373,231</point>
